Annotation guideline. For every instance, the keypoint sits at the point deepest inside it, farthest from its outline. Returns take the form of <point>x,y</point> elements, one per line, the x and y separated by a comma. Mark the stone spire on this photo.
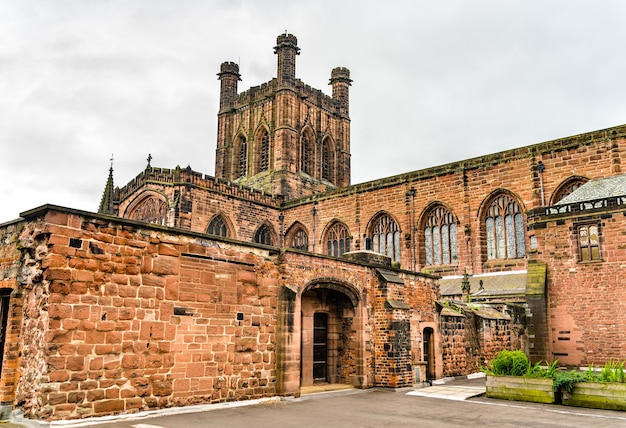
<point>109,201</point>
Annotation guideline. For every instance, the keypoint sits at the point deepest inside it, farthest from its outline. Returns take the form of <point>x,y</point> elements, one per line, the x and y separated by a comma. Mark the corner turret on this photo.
<point>286,48</point>
<point>229,77</point>
<point>340,81</point>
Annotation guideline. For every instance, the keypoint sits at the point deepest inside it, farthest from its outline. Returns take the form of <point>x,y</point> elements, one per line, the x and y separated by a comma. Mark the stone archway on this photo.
<point>330,347</point>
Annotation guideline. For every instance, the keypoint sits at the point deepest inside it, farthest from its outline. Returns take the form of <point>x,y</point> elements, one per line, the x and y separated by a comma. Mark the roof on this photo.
<point>493,284</point>
<point>597,189</point>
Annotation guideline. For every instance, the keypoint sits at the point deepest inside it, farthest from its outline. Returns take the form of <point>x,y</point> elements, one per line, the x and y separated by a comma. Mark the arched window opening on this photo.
<point>567,188</point>
<point>300,240</point>
<point>151,210</point>
<point>337,240</point>
<point>218,227</point>
<point>504,227</point>
<point>263,236</point>
<point>386,237</point>
<point>243,157</point>
<point>325,160</point>
<point>440,237</point>
<point>265,152</point>
<point>306,154</point>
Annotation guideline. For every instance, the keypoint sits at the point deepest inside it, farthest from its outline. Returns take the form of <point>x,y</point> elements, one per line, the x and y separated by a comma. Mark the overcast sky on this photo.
<point>433,81</point>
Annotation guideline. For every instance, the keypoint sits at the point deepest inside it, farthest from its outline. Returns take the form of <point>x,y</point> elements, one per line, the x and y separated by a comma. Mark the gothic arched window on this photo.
<point>151,210</point>
<point>243,157</point>
<point>440,237</point>
<point>567,187</point>
<point>263,236</point>
<point>337,240</point>
<point>218,227</point>
<point>325,160</point>
<point>504,227</point>
<point>386,237</point>
<point>264,158</point>
<point>300,240</point>
<point>306,154</point>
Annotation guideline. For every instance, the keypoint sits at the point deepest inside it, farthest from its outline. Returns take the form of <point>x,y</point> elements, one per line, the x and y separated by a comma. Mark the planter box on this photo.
<point>535,390</point>
<point>596,395</point>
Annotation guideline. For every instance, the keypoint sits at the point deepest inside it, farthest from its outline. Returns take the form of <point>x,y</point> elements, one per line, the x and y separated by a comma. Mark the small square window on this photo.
<point>589,242</point>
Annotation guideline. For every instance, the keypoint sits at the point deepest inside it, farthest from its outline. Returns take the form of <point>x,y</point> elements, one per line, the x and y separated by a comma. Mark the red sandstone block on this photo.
<point>56,217</point>
<point>168,250</point>
<point>108,406</point>
<point>58,274</point>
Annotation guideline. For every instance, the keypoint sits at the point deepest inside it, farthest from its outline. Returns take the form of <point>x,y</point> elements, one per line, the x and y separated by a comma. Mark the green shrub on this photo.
<point>612,371</point>
<point>510,363</point>
<point>516,363</point>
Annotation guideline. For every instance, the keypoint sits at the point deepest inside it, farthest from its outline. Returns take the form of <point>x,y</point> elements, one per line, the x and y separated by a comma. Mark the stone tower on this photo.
<point>284,137</point>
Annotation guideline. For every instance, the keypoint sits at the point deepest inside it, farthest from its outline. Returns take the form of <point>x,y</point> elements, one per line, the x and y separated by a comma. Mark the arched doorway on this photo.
<point>429,353</point>
<point>330,350</point>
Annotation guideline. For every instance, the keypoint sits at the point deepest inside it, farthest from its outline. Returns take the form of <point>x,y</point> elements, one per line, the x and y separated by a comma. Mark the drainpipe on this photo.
<point>412,193</point>
<point>313,212</point>
<point>281,219</point>
<point>540,168</point>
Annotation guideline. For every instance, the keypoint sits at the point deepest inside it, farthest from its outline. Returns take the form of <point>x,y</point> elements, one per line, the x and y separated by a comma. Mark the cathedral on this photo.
<point>278,273</point>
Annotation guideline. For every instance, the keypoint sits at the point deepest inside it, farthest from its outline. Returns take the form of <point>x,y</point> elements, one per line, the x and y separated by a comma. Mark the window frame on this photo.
<point>588,247</point>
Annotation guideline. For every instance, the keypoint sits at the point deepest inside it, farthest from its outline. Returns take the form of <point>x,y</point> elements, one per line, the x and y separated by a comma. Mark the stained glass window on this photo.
<point>386,237</point>
<point>218,227</point>
<point>504,227</point>
<point>589,242</point>
<point>440,237</point>
<point>337,240</point>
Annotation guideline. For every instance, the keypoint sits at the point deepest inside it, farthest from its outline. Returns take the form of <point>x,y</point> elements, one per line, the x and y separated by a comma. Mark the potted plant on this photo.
<point>510,376</point>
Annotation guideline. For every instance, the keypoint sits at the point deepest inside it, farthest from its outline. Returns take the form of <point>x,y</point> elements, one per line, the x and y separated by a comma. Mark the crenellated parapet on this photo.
<point>189,178</point>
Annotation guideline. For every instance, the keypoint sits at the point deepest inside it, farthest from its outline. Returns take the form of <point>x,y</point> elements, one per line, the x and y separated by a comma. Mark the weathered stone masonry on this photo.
<point>120,316</point>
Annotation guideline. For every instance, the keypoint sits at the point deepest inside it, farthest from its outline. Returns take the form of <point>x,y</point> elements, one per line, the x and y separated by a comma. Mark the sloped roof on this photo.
<point>597,189</point>
<point>493,284</point>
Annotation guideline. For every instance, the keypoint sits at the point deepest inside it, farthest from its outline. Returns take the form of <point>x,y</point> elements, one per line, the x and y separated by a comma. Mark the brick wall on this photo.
<point>126,319</point>
<point>585,299</point>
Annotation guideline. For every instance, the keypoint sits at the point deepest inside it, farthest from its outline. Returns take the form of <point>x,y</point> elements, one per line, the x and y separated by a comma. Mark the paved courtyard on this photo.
<point>455,404</point>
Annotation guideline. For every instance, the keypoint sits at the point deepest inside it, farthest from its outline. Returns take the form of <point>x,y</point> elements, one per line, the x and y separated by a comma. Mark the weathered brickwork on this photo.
<point>11,270</point>
<point>584,298</point>
<point>119,316</point>
<point>473,334</point>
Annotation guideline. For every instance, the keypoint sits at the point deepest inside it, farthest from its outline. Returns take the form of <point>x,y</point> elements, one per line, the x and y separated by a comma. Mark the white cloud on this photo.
<point>434,82</point>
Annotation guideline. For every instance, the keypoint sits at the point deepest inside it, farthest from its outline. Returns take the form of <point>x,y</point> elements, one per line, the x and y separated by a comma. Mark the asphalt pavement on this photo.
<point>455,403</point>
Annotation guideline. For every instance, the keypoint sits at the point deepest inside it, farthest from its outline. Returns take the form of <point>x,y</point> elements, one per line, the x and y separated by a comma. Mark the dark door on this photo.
<point>429,353</point>
<point>320,347</point>
<point>4,312</point>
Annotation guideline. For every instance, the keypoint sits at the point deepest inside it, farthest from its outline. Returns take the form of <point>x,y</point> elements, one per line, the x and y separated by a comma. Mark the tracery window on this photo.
<point>325,160</point>
<point>440,237</point>
<point>265,152</point>
<point>386,237</point>
<point>337,240</point>
<point>589,242</point>
<point>151,210</point>
<point>567,188</point>
<point>263,236</point>
<point>300,240</point>
<point>218,227</point>
<point>504,227</point>
<point>243,157</point>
